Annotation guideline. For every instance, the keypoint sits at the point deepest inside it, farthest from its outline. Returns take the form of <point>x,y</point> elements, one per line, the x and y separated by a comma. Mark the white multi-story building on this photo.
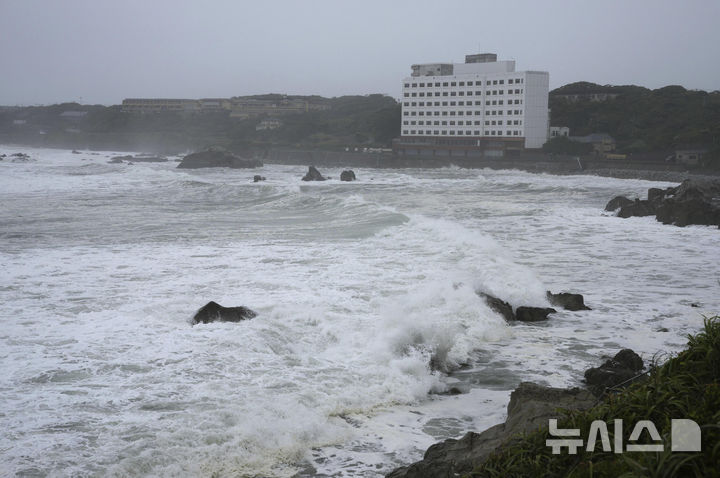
<point>482,107</point>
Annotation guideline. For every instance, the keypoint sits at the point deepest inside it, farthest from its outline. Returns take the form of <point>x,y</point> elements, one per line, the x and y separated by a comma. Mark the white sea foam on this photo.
<point>358,287</point>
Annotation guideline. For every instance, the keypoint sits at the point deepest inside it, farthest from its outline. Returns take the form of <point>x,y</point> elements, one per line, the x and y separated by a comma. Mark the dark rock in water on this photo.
<point>620,369</point>
<point>214,312</point>
<point>689,211</point>
<point>217,159</point>
<point>19,157</point>
<point>499,306</point>
<point>533,314</point>
<point>348,175</point>
<point>257,178</point>
<point>567,301</point>
<point>120,159</point>
<point>692,202</point>
<point>313,175</point>
<point>530,408</point>
<point>75,151</point>
<point>617,202</point>
<point>638,208</point>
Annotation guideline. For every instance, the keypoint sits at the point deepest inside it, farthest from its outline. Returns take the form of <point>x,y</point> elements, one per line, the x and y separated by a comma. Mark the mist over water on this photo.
<point>357,286</point>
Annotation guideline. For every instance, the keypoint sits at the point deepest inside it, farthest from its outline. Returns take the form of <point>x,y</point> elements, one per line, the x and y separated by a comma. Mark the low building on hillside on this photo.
<point>602,143</point>
<point>690,155</point>
<point>556,131</point>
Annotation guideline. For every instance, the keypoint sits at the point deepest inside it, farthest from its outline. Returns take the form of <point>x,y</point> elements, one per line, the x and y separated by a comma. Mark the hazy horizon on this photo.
<point>100,52</point>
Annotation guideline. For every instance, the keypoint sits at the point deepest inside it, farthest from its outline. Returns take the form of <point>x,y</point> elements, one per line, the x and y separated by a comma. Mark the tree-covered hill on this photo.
<point>638,118</point>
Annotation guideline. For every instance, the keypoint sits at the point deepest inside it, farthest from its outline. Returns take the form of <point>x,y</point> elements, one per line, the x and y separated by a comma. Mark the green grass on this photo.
<point>686,386</point>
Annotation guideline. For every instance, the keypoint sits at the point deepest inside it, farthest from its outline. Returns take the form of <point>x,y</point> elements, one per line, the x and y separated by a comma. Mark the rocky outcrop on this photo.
<point>348,175</point>
<point>530,407</point>
<point>499,306</point>
<point>692,202</point>
<point>533,314</point>
<point>19,158</point>
<point>313,175</point>
<point>638,208</point>
<point>257,178</point>
<point>217,159</point>
<point>567,301</point>
<point>214,312</point>
<point>617,202</point>
<point>620,369</point>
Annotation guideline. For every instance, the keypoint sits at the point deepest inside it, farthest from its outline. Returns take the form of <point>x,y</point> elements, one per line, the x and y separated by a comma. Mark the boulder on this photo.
<point>214,312</point>
<point>75,151</point>
<point>567,301</point>
<point>19,157</point>
<point>533,314</point>
<point>313,175</point>
<point>120,159</point>
<point>638,208</point>
<point>620,369</point>
<point>217,159</point>
<point>689,211</point>
<point>617,202</point>
<point>530,407</point>
<point>348,175</point>
<point>257,178</point>
<point>499,306</point>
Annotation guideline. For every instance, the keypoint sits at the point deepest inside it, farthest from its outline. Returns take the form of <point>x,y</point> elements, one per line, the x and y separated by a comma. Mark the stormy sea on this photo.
<point>357,285</point>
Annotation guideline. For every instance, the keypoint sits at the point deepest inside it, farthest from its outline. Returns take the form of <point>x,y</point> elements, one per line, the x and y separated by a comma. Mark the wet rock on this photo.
<point>217,159</point>
<point>567,301</point>
<point>692,202</point>
<point>313,175</point>
<point>530,407</point>
<point>620,369</point>
<point>689,211</point>
<point>20,158</point>
<point>533,314</point>
<point>120,159</point>
<point>257,178</point>
<point>214,312</point>
<point>638,208</point>
<point>75,151</point>
<point>617,202</point>
<point>499,306</point>
<point>348,175</point>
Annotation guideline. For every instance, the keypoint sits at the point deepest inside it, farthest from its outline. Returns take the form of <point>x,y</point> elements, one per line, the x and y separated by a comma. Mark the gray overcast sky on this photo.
<point>97,51</point>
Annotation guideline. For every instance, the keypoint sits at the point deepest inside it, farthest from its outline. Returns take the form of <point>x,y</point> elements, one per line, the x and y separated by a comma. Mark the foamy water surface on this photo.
<point>356,284</point>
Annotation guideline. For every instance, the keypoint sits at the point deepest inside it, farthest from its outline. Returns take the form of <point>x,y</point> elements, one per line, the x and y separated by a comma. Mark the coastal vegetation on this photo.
<point>640,120</point>
<point>686,386</point>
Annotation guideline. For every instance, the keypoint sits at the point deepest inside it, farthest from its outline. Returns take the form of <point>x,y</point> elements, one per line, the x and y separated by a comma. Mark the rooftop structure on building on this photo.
<point>482,107</point>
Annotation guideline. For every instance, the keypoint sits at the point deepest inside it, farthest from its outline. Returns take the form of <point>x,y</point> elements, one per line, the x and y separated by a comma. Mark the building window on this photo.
<point>502,82</point>
<point>436,132</point>
<point>487,133</point>
<point>494,102</point>
<point>436,123</point>
<point>487,103</point>
<point>407,85</point>
<point>405,131</point>
<point>452,123</point>
<point>494,92</point>
<point>487,123</point>
<point>502,92</point>
<point>452,113</point>
<point>437,93</point>
<point>406,95</point>
<point>422,94</point>
<point>478,93</point>
<point>445,93</point>
<point>461,93</point>
<point>405,122</point>
<point>445,83</point>
<point>437,84</point>
<point>452,133</point>
<point>500,102</point>
<point>421,113</point>
<point>406,104</point>
<point>413,103</point>
<point>469,93</point>
<point>422,85</point>
<point>444,123</point>
<point>478,113</point>
<point>444,103</point>
<point>405,113</point>
<point>460,113</point>
<point>412,131</point>
<point>462,83</point>
<point>444,113</point>
<point>477,122</point>
<point>461,103</point>
<point>414,95</point>
<point>478,103</point>
<point>437,103</point>
<point>476,133</point>
<point>452,83</point>
<point>413,122</point>
<point>510,81</point>
<point>427,131</point>
<point>453,93</point>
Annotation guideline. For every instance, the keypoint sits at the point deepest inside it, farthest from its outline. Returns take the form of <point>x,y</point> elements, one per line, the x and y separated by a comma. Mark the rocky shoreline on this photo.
<point>531,406</point>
